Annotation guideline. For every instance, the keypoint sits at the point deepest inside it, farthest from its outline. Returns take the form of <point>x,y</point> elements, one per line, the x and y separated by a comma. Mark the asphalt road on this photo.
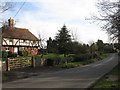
<point>79,77</point>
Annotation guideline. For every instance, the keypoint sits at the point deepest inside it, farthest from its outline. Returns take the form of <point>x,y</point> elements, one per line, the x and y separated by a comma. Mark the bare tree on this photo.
<point>109,14</point>
<point>42,41</point>
<point>74,35</point>
<point>5,6</point>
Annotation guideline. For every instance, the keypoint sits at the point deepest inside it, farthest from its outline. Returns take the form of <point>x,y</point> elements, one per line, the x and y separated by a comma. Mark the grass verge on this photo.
<point>105,83</point>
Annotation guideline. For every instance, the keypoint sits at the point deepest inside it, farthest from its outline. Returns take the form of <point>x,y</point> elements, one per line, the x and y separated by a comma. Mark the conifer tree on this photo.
<point>63,41</point>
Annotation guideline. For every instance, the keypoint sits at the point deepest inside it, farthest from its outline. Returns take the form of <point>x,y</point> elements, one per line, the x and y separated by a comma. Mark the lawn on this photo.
<point>104,83</point>
<point>51,55</point>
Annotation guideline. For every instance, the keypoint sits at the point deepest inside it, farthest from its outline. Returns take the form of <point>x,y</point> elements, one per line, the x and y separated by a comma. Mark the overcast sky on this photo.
<point>48,16</point>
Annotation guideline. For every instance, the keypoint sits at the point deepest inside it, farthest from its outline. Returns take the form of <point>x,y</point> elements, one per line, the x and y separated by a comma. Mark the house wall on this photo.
<point>12,49</point>
<point>3,48</point>
<point>35,51</point>
<point>20,48</point>
<point>6,42</point>
<point>30,50</point>
<point>17,42</point>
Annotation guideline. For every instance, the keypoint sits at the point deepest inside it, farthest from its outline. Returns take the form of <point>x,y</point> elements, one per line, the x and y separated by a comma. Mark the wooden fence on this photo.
<point>21,62</point>
<point>18,63</point>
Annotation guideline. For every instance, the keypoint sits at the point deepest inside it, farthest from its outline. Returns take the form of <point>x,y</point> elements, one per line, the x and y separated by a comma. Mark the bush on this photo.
<point>10,54</point>
<point>4,54</point>
<point>58,60</point>
<point>82,57</point>
<point>23,53</point>
<point>53,61</point>
<point>14,54</point>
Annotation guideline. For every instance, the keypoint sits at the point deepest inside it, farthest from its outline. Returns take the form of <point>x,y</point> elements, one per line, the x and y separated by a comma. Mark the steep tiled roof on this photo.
<point>17,33</point>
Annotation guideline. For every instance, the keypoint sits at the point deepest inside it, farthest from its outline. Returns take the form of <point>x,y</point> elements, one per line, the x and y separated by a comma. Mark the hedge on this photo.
<point>4,54</point>
<point>57,60</point>
<point>82,57</point>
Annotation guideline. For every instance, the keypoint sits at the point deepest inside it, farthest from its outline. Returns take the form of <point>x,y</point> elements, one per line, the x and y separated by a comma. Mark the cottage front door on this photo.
<point>16,50</point>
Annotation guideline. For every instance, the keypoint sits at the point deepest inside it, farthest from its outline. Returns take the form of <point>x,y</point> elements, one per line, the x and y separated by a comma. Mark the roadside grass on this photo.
<point>103,56</point>
<point>104,83</point>
<point>74,64</point>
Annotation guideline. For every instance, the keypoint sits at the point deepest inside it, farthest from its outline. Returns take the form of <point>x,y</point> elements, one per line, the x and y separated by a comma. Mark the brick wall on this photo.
<point>29,49</point>
<point>12,49</point>
<point>3,48</point>
<point>35,51</point>
<point>20,48</point>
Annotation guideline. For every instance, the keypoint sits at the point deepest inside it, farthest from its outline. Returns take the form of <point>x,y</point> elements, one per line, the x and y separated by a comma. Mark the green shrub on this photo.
<point>4,54</point>
<point>10,54</point>
<point>53,61</point>
<point>82,57</point>
<point>23,53</point>
<point>14,54</point>
<point>58,60</point>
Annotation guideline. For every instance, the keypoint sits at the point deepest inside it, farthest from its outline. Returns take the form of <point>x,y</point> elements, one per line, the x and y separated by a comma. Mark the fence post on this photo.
<point>33,61</point>
<point>8,64</point>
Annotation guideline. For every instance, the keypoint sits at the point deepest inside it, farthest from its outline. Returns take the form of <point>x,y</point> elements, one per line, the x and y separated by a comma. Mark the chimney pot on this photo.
<point>11,22</point>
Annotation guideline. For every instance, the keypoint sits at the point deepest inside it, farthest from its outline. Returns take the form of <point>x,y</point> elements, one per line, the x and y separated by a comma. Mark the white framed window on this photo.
<point>7,49</point>
<point>23,48</point>
<point>32,49</point>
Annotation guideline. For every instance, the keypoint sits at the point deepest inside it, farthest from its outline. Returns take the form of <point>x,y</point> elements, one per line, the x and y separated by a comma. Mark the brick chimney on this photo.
<point>11,22</point>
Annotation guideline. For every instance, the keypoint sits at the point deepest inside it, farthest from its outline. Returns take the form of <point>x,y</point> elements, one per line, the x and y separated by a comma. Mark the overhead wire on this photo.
<point>19,9</point>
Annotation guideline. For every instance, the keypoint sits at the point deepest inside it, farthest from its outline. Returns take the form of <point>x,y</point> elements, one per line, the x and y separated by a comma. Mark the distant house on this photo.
<point>15,39</point>
<point>108,48</point>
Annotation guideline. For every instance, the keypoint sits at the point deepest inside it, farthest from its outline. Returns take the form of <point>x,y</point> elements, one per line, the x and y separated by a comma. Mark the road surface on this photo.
<point>79,77</point>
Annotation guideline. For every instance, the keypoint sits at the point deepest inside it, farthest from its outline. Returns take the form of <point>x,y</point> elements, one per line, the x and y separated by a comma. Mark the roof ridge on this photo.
<point>16,32</point>
<point>21,28</point>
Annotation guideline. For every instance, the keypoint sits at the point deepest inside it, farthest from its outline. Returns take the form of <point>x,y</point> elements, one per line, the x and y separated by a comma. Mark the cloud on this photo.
<point>50,15</point>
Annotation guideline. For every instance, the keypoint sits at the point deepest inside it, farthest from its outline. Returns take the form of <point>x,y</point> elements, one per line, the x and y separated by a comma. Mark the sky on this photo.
<point>48,16</point>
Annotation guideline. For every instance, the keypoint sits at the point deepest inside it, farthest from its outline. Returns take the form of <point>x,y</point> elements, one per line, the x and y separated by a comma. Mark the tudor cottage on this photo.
<point>15,39</point>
